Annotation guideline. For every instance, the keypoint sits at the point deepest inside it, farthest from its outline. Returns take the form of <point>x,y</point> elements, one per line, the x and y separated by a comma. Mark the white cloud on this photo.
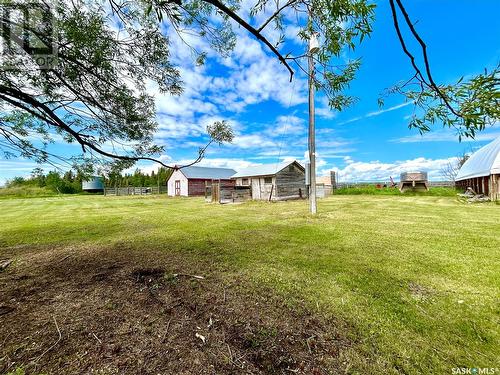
<point>445,136</point>
<point>287,125</point>
<point>323,109</point>
<point>251,76</point>
<point>206,162</point>
<point>376,113</point>
<point>291,33</point>
<point>252,141</point>
<point>19,168</point>
<point>356,171</point>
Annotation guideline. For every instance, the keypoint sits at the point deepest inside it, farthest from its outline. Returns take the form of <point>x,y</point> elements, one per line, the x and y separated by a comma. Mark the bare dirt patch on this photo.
<point>120,311</point>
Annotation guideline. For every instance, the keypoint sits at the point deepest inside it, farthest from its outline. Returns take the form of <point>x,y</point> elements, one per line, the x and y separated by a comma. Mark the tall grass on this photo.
<point>26,192</point>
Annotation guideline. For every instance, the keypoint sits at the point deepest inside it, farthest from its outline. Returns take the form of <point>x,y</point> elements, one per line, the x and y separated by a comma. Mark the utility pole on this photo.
<point>313,47</point>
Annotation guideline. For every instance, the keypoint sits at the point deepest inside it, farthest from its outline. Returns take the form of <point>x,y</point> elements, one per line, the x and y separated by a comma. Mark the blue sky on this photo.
<point>250,89</point>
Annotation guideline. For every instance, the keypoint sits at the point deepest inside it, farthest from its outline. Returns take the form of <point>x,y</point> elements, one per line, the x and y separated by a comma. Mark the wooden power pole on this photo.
<point>313,47</point>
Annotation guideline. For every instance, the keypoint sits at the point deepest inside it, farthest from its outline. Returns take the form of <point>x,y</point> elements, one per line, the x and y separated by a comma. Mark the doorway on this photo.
<point>177,187</point>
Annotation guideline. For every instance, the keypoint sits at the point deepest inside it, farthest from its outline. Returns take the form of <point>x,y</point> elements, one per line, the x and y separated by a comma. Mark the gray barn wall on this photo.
<point>261,190</point>
<point>289,183</point>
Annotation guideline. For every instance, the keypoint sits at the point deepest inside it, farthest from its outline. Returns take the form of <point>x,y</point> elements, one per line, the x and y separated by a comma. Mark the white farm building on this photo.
<point>481,171</point>
<point>192,181</point>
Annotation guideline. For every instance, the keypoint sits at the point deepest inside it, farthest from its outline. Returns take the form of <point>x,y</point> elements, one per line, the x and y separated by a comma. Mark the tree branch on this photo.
<point>256,33</point>
<point>54,120</point>
<point>278,11</point>
<point>402,42</point>
<point>432,84</point>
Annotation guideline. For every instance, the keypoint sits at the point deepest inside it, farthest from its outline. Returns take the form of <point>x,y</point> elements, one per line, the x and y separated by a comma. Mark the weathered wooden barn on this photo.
<point>192,181</point>
<point>278,181</point>
<point>481,171</point>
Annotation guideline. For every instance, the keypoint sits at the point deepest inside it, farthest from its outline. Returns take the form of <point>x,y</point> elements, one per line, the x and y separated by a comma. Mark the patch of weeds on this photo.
<point>20,371</point>
<point>170,278</point>
<point>260,337</point>
<point>147,275</point>
<point>110,305</point>
<point>17,371</point>
<point>419,292</point>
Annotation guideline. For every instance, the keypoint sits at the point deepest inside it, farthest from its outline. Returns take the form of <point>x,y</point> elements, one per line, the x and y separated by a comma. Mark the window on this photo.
<point>244,181</point>
<point>290,168</point>
<point>268,180</point>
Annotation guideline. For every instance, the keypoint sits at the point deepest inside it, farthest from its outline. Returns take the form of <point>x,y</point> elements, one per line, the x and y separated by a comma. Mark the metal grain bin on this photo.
<point>415,181</point>
<point>93,184</point>
<point>413,176</point>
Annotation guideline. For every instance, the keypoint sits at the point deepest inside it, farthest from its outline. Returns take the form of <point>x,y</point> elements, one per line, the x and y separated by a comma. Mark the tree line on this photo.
<point>138,178</point>
<point>70,182</point>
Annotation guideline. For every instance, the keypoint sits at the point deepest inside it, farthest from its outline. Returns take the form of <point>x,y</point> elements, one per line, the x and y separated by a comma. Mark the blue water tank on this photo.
<point>94,183</point>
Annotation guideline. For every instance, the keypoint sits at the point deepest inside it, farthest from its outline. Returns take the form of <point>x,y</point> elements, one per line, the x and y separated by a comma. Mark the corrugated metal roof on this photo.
<point>263,170</point>
<point>483,162</point>
<point>208,173</point>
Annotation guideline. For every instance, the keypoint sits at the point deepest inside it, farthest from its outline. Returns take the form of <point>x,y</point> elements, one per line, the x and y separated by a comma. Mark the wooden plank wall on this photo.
<point>494,187</point>
<point>233,194</point>
<point>197,186</point>
<point>487,185</point>
<point>290,183</point>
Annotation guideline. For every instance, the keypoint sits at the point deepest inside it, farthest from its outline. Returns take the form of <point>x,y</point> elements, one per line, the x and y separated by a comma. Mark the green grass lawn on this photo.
<point>416,279</point>
<point>373,190</point>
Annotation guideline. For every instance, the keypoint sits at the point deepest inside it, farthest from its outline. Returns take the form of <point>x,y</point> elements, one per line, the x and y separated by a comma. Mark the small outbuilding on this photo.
<point>278,181</point>
<point>481,171</point>
<point>192,181</point>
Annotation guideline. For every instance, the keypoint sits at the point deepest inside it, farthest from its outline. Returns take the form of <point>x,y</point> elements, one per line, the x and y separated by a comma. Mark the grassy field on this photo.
<point>373,190</point>
<point>415,280</point>
<point>26,192</point>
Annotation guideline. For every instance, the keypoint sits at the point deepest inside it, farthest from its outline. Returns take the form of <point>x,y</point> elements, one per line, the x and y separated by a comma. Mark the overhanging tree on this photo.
<point>96,94</point>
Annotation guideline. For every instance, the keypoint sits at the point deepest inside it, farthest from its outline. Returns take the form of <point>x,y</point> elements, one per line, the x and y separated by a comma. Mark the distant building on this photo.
<point>325,185</point>
<point>278,181</point>
<point>192,181</point>
<point>481,171</point>
<point>94,184</point>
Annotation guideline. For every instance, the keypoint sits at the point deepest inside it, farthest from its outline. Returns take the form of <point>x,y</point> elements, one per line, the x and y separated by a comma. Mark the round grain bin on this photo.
<point>94,184</point>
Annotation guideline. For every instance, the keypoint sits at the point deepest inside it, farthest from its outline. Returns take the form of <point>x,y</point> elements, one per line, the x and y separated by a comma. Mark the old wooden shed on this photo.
<point>278,181</point>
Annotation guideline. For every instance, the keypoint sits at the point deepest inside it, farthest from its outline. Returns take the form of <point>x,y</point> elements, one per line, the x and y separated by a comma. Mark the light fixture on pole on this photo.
<point>314,43</point>
<point>313,48</point>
